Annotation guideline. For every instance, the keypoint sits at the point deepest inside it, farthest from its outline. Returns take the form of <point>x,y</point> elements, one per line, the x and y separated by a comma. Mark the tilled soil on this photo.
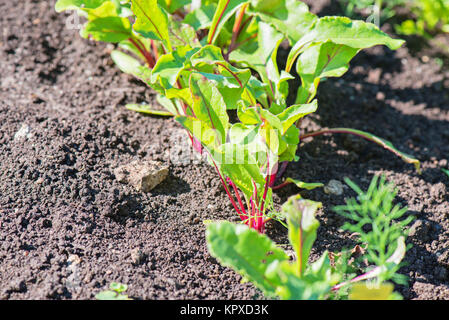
<point>68,228</point>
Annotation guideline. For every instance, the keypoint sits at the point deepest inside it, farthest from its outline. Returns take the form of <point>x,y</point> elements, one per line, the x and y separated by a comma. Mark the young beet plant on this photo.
<point>332,276</point>
<point>205,60</point>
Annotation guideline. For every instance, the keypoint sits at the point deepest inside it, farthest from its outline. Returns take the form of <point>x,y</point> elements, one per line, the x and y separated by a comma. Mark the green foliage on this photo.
<point>143,108</point>
<point>260,261</point>
<point>385,242</point>
<point>115,293</point>
<point>386,8</point>
<point>222,56</point>
<point>432,16</point>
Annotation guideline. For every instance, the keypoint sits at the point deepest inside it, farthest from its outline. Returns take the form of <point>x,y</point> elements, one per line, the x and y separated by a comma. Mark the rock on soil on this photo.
<point>334,187</point>
<point>143,175</point>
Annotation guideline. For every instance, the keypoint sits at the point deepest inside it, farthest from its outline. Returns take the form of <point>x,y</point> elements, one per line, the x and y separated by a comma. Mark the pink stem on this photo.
<point>239,199</point>
<point>226,187</point>
<point>282,185</point>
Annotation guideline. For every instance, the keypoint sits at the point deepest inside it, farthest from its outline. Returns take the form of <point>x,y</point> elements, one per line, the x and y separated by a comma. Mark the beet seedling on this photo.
<point>260,261</point>
<point>204,61</point>
<point>116,292</point>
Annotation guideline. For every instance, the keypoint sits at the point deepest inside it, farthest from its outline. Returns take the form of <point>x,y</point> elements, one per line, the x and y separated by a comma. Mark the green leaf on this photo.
<point>201,131</point>
<point>151,21</point>
<point>246,251</point>
<point>225,10</point>
<point>147,109</point>
<point>241,166</point>
<point>126,63</point>
<point>62,5</point>
<point>108,29</point>
<point>229,80</point>
<point>302,227</point>
<point>201,17</point>
<point>240,133</point>
<point>209,55</point>
<point>248,114</point>
<point>173,5</point>
<point>169,66</point>
<point>304,185</point>
<point>115,293</point>
<point>107,295</point>
<point>295,288</point>
<point>118,287</point>
<point>258,54</point>
<point>342,31</point>
<point>172,105</point>
<point>182,34</point>
<point>320,61</point>
<point>180,94</point>
<point>107,9</point>
<point>292,114</point>
<point>290,17</point>
<point>209,105</point>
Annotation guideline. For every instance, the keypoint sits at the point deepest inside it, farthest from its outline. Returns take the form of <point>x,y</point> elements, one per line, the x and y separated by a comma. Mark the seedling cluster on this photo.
<point>428,16</point>
<point>220,57</point>
<point>333,275</point>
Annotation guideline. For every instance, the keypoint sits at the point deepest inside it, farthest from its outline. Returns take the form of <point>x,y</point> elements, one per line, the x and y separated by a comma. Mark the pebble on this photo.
<point>137,256</point>
<point>142,175</point>
<point>23,133</point>
<point>334,187</point>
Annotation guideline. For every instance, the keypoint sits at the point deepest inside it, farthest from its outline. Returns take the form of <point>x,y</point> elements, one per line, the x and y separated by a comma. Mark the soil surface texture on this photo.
<point>68,228</point>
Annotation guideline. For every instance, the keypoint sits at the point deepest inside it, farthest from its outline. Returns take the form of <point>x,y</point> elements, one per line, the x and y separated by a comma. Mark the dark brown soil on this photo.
<point>68,228</point>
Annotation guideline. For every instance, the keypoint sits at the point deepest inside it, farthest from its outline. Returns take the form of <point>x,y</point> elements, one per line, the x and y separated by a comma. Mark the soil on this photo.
<point>68,228</point>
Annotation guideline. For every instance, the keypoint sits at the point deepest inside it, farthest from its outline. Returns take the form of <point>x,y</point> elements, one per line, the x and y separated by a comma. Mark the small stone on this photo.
<point>142,175</point>
<point>73,259</point>
<point>380,96</point>
<point>334,187</point>
<point>137,256</point>
<point>23,132</point>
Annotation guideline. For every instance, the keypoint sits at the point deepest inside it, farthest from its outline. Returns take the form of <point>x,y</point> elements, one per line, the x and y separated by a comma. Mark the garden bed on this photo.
<point>68,228</point>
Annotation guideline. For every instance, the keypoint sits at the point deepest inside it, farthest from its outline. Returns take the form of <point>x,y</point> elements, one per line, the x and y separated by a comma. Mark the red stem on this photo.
<point>233,74</point>
<point>218,22</point>
<point>143,52</point>
<point>226,187</point>
<point>239,199</point>
<point>267,182</point>
<point>286,183</point>
<point>368,275</point>
<point>237,28</point>
<point>155,50</point>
